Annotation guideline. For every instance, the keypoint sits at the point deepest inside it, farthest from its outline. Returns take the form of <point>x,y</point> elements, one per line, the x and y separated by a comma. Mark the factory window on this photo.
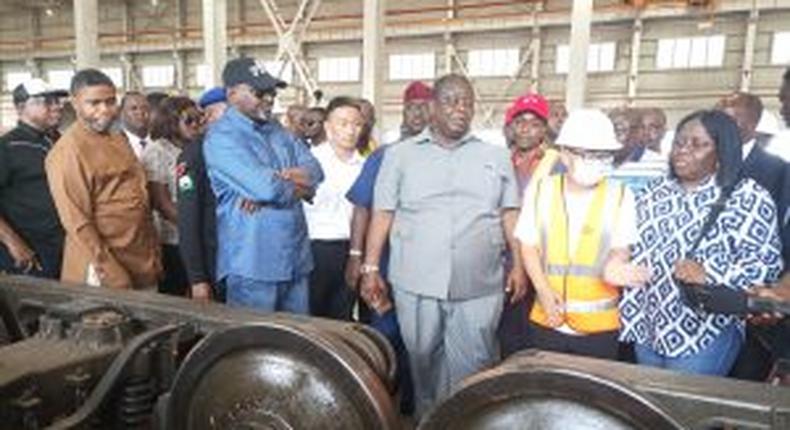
<point>338,69</point>
<point>202,76</point>
<point>493,62</point>
<point>115,74</point>
<point>158,76</point>
<point>12,79</point>
<point>690,52</point>
<point>60,79</point>
<point>780,48</point>
<point>412,66</point>
<point>7,113</point>
<point>600,58</point>
<point>284,70</point>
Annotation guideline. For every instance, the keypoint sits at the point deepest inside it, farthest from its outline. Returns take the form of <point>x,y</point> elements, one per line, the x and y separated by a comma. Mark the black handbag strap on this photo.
<point>715,210</point>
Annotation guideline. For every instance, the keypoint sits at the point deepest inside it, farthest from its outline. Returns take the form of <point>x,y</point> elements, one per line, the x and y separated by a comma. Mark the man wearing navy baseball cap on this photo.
<point>251,86</point>
<point>263,257</point>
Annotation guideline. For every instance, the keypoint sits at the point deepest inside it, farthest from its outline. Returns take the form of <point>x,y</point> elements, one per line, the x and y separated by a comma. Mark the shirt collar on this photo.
<point>135,138</point>
<point>703,187</point>
<point>240,118</point>
<point>89,133</point>
<point>356,157</point>
<point>747,148</point>
<point>427,137</point>
<point>33,131</point>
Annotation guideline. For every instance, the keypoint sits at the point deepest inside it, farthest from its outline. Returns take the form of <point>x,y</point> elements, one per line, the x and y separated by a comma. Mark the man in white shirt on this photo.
<point>329,214</point>
<point>135,120</point>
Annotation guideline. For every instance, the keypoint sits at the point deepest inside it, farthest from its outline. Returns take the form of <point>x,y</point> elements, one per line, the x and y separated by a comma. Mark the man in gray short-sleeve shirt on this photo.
<point>448,202</point>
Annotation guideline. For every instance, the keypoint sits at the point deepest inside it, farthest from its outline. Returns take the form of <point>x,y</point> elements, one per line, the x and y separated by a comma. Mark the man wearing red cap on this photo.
<point>415,109</point>
<point>526,132</point>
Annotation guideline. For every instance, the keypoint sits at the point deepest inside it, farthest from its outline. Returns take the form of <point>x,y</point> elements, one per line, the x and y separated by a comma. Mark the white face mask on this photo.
<point>588,173</point>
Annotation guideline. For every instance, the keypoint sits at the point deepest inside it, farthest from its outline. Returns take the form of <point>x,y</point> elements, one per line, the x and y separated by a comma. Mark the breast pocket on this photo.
<point>486,182</point>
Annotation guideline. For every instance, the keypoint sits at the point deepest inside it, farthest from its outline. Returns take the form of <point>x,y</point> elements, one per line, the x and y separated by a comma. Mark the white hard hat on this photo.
<point>588,129</point>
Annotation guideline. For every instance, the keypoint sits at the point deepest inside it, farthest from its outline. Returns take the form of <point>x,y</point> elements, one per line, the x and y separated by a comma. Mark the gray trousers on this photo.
<point>447,340</point>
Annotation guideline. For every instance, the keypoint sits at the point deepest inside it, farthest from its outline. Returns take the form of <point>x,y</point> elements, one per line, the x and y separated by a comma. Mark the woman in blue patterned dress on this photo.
<point>740,250</point>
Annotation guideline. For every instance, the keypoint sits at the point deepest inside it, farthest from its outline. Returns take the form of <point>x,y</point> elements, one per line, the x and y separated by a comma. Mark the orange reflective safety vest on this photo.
<point>590,303</point>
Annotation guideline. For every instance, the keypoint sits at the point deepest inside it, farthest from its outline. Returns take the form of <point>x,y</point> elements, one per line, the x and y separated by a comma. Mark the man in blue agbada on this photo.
<point>260,175</point>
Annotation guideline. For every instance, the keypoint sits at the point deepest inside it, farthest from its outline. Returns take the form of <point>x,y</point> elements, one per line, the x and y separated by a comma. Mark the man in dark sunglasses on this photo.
<point>31,237</point>
<point>264,256</point>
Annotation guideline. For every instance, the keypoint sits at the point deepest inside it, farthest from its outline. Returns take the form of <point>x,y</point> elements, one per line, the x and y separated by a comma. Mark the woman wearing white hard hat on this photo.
<point>576,229</point>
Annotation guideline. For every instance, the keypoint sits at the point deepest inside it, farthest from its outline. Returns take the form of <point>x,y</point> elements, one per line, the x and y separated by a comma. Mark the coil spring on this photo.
<point>136,403</point>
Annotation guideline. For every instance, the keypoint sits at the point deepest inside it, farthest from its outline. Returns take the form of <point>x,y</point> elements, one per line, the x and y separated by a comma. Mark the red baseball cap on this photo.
<point>417,91</point>
<point>530,102</point>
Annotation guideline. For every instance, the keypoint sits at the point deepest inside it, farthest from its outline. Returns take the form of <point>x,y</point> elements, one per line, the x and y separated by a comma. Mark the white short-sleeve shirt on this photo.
<point>577,206</point>
<point>159,159</point>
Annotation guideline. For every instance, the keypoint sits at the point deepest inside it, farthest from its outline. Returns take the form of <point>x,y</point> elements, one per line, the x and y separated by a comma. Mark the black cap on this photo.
<point>245,70</point>
<point>35,88</point>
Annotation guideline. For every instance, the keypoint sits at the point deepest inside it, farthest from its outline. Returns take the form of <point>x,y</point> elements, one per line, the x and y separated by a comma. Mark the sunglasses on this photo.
<point>262,94</point>
<point>192,119</point>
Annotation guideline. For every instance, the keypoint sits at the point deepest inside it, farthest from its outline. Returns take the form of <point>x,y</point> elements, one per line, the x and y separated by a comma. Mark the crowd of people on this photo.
<point>585,235</point>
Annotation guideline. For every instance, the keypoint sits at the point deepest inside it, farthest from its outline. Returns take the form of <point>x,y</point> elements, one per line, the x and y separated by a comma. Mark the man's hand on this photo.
<point>301,180</point>
<point>113,275</point>
<point>24,257</point>
<point>766,293</point>
<point>201,292</point>
<point>299,176</point>
<point>353,273</point>
<point>626,274</point>
<point>372,289</point>
<point>516,285</point>
<point>552,305</point>
<point>690,271</point>
<point>304,193</point>
<point>249,206</point>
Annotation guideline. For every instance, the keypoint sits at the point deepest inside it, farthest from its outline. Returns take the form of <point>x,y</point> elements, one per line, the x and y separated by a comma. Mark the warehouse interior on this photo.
<point>589,228</point>
<point>670,54</point>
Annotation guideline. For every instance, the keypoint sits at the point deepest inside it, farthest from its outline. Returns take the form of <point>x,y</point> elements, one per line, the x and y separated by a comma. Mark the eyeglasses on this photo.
<point>692,144</point>
<point>47,101</point>
<point>263,94</point>
<point>587,154</point>
<point>192,119</point>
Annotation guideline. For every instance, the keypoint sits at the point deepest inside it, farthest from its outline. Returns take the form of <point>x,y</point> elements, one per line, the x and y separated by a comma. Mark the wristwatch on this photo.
<point>368,268</point>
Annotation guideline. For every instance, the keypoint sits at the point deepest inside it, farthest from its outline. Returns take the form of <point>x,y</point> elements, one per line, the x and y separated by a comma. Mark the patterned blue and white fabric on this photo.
<point>741,250</point>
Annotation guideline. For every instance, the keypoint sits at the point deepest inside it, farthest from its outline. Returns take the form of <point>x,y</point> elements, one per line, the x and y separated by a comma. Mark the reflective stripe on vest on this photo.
<point>572,270</point>
<point>589,307</point>
<point>590,303</point>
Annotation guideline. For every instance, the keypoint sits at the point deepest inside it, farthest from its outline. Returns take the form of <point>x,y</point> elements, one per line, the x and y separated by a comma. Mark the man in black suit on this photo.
<point>766,169</point>
<point>764,343</point>
<point>784,97</point>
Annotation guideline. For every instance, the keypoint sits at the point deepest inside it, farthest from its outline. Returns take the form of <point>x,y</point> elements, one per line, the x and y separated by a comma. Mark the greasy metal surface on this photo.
<point>273,376</point>
<point>157,309</point>
<point>695,401</point>
<point>343,372</point>
<point>113,378</point>
<point>546,399</point>
<point>545,414</point>
<point>536,389</point>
